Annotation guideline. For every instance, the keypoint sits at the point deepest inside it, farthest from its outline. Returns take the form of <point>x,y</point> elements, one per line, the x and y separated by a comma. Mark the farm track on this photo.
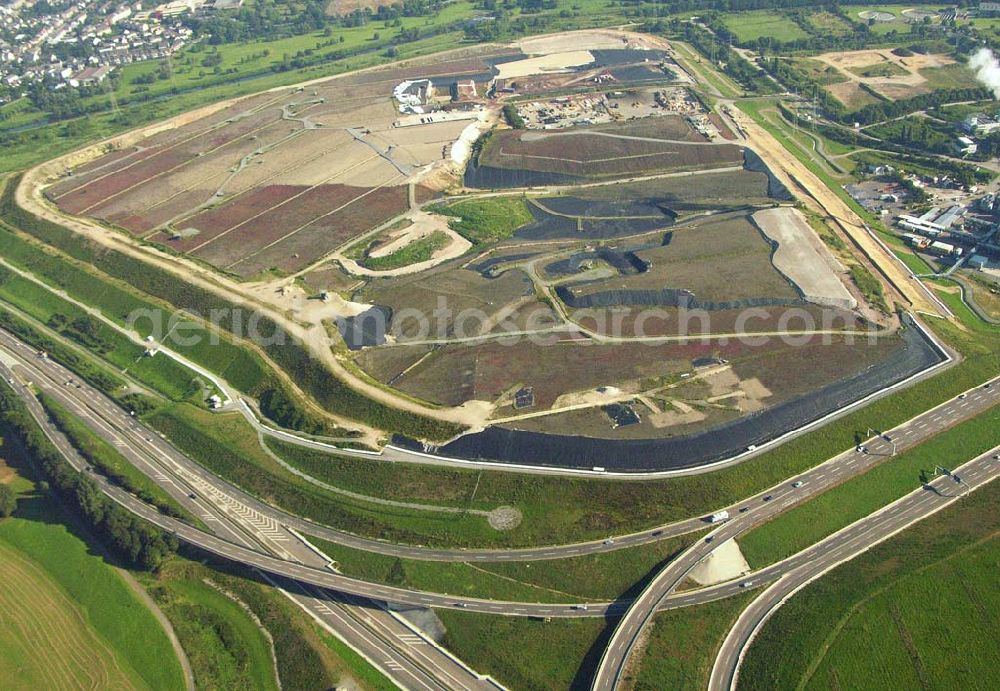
<point>315,339</point>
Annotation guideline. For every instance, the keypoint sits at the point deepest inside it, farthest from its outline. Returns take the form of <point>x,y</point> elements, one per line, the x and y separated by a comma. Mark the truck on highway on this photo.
<point>719,517</point>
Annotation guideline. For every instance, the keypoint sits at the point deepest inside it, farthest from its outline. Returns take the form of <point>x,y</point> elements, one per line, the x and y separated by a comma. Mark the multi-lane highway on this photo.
<point>137,442</point>
<point>616,654</point>
<point>845,545</point>
<point>246,530</point>
<point>402,653</point>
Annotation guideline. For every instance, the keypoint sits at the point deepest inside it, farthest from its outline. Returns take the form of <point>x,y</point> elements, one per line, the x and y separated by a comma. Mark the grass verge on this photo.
<point>821,516</point>
<point>682,646</point>
<point>527,653</point>
<point>597,577</point>
<point>916,611</point>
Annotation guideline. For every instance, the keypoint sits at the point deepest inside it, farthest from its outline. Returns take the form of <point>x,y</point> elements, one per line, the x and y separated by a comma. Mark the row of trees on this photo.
<point>132,539</point>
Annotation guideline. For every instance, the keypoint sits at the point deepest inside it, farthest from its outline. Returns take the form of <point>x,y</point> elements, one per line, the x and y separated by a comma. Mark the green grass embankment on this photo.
<point>827,513</point>
<point>596,577</point>
<point>916,611</point>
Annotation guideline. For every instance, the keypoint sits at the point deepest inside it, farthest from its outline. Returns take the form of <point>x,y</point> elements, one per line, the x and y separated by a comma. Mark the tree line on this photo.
<point>132,539</point>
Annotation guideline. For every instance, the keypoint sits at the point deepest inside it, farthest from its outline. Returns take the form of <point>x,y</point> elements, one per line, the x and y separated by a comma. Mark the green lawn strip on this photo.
<point>488,219</point>
<point>683,644</point>
<point>227,446</point>
<point>452,578</point>
<point>525,653</point>
<point>870,287</point>
<point>914,262</point>
<point>417,251</point>
<point>597,577</point>
<point>110,463</point>
<point>46,534</point>
<point>823,515</point>
<point>159,372</point>
<point>226,648</point>
<point>928,594</point>
<point>606,576</point>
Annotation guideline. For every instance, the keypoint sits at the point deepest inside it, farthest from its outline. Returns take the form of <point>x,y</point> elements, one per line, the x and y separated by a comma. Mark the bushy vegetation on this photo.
<point>8,501</point>
<point>512,117</point>
<point>886,110</point>
<point>135,541</point>
<point>486,220</point>
<point>109,462</point>
<point>225,647</point>
<point>419,250</point>
<point>870,287</point>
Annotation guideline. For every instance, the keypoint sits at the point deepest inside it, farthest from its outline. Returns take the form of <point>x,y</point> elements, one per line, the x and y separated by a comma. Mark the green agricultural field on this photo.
<point>916,611</point>
<point>828,24</point>
<point>487,220</point>
<point>45,641</point>
<point>749,26</point>
<point>823,515</point>
<point>89,622</point>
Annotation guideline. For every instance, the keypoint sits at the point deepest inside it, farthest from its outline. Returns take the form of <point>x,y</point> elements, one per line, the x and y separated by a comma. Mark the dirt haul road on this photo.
<point>314,337</point>
<point>822,199</point>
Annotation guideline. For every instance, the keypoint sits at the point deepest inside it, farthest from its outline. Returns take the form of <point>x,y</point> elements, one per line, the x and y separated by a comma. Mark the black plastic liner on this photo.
<point>691,451</point>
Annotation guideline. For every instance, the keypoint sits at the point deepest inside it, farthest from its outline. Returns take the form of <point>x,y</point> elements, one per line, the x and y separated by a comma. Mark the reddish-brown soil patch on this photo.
<point>329,232</point>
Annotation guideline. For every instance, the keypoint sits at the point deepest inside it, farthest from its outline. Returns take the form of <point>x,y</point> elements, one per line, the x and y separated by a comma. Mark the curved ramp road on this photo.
<point>323,578</point>
<point>400,652</point>
<point>843,546</point>
<point>154,456</point>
